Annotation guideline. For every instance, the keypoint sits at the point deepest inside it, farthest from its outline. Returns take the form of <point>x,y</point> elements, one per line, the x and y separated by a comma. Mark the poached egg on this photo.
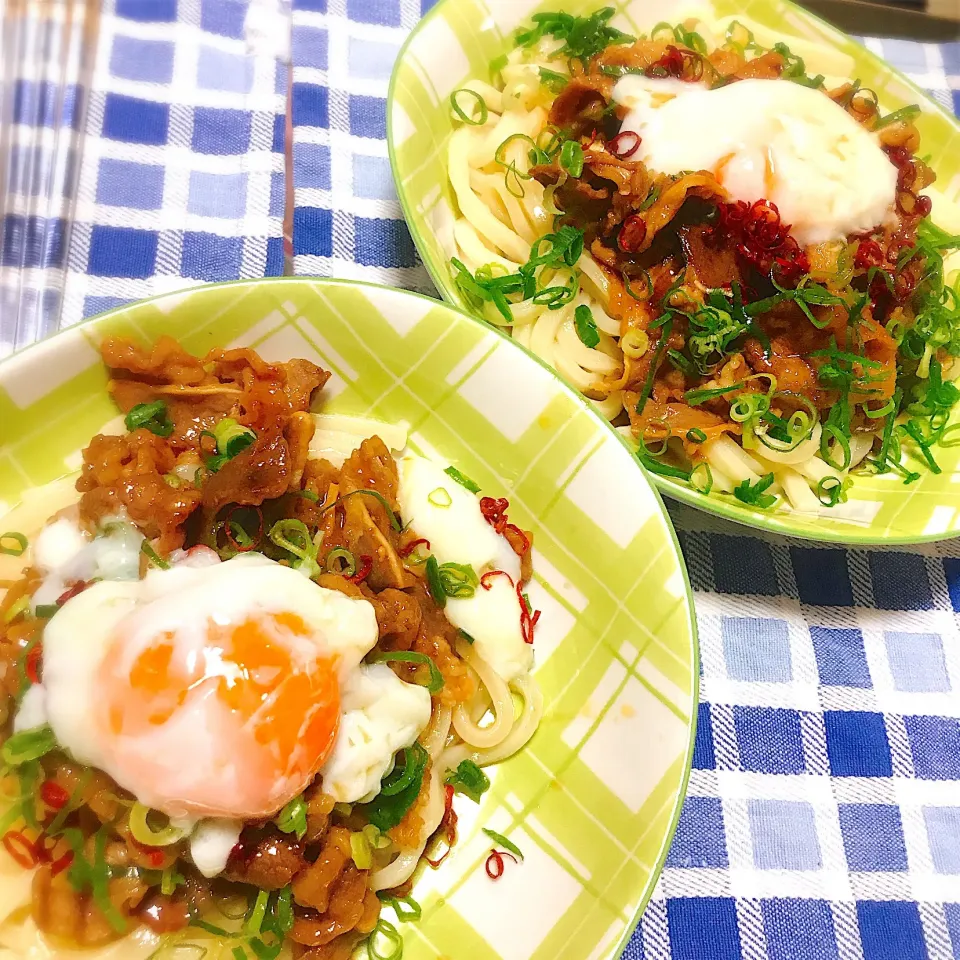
<point>766,139</point>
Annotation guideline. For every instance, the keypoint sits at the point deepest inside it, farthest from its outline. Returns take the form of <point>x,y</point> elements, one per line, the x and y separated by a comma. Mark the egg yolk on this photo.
<point>259,689</point>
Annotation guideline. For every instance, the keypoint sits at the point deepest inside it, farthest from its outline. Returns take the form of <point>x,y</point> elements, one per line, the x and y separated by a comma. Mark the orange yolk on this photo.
<point>276,710</point>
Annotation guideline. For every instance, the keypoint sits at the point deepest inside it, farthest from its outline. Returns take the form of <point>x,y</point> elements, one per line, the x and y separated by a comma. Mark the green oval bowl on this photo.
<point>458,39</point>
<point>594,799</point>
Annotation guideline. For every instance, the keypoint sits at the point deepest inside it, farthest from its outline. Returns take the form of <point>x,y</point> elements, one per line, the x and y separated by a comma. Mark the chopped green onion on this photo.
<point>912,430</point>
<point>553,81</point>
<point>753,494</point>
<point>254,922</point>
<point>831,491</point>
<point>634,343</point>
<point>663,469</point>
<point>432,571</point>
<point>8,539</point>
<point>283,910</point>
<point>904,113</point>
<point>696,435</point>
<point>440,497</point>
<point>406,908</point>
<point>232,438</point>
<point>829,431</point>
<point>46,610</point>
<point>150,416</point>
<point>466,636</point>
<point>360,851</point>
<point>147,550</point>
<point>28,745</point>
<point>458,580</point>
<point>469,779</point>
<point>409,656</point>
<point>583,37</point>
<point>500,839</point>
<point>143,833</point>
<point>99,875</point>
<point>385,943</point>
<point>586,326</point>
<point>650,199</point>
<point>170,880</point>
<point>478,103</point>
<point>293,817</point>
<point>462,479</point>
<point>701,478</point>
<point>571,158</point>
<point>396,782</point>
<point>385,811</point>
<point>341,561</point>
<point>695,397</point>
<point>294,537</point>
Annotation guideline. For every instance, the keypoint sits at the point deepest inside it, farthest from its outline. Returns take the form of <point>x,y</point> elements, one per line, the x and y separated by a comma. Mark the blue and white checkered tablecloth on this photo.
<point>823,817</point>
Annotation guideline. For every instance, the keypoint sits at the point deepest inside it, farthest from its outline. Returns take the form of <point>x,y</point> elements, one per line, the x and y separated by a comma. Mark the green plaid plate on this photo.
<point>594,799</point>
<point>458,39</point>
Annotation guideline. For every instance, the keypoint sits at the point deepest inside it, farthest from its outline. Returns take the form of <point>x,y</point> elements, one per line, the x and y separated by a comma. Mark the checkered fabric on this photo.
<point>181,177</point>
<point>347,220</point>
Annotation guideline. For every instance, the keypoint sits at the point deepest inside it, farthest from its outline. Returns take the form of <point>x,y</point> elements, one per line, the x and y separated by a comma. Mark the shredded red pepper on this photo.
<point>53,795</point>
<point>686,65</point>
<point>448,824</point>
<point>363,571</point>
<point>762,239</point>
<point>21,849</point>
<point>412,545</point>
<point>495,512</point>
<point>58,866</point>
<point>494,864</point>
<point>31,666</point>
<point>78,587</point>
<point>528,617</point>
<point>490,575</point>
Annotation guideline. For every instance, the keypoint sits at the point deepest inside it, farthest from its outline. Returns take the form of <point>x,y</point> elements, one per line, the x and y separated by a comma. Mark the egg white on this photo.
<point>766,139</point>
<point>458,533</point>
<point>381,715</point>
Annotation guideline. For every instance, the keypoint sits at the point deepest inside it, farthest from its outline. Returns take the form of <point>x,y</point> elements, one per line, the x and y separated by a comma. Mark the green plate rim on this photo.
<point>752,519</point>
<point>585,404</point>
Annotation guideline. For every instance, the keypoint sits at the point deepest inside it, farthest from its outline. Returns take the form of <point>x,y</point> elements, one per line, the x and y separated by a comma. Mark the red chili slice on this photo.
<point>412,545</point>
<point>366,565</point>
<point>21,849</point>
<point>78,587</point>
<point>495,512</point>
<point>632,233</point>
<point>58,866</point>
<point>625,144</point>
<point>31,666</point>
<point>490,574</point>
<point>53,795</point>
<point>496,859</point>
